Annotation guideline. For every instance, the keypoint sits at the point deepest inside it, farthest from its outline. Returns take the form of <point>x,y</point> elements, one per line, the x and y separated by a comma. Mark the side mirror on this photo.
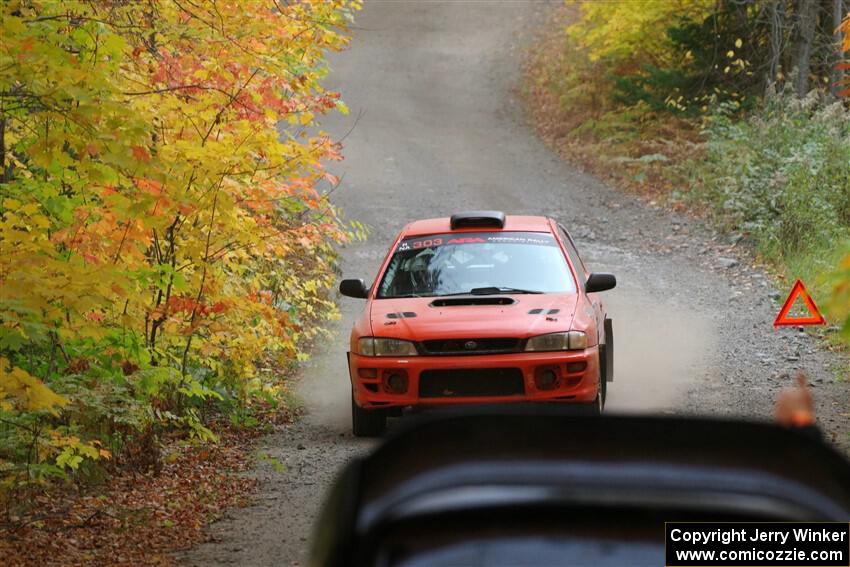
<point>355,288</point>
<point>600,282</point>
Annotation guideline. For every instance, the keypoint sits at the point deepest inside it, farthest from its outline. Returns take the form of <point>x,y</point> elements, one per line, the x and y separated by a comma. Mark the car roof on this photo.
<point>516,223</point>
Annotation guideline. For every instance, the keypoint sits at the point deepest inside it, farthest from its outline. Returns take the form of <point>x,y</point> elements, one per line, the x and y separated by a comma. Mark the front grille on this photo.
<point>471,382</point>
<point>470,346</point>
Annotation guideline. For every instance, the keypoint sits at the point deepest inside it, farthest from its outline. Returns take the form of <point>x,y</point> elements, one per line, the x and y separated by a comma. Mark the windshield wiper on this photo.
<point>498,290</point>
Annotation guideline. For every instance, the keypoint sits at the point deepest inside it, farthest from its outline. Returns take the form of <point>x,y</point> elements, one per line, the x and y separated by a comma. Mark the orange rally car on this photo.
<point>478,308</point>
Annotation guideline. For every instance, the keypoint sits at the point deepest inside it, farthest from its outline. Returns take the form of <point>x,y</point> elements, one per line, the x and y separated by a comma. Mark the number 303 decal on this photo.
<point>427,243</point>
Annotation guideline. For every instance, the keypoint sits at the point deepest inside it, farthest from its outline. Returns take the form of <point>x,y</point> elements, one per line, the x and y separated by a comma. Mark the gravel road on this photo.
<point>439,131</point>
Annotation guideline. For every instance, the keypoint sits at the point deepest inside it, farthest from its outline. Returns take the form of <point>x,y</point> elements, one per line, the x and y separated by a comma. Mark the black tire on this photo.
<point>598,404</point>
<point>609,350</point>
<point>592,408</point>
<point>602,395</point>
<point>367,423</point>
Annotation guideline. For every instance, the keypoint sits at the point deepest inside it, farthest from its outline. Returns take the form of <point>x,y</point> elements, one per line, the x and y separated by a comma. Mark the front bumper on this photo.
<point>369,377</point>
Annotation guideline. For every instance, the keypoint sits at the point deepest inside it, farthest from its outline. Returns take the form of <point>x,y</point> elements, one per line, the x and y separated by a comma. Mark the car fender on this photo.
<point>584,319</point>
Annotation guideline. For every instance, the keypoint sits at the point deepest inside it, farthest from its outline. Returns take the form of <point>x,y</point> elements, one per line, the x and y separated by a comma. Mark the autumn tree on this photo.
<point>657,51</point>
<point>163,223</point>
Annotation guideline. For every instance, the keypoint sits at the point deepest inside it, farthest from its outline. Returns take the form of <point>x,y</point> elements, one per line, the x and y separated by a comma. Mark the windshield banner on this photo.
<point>437,240</point>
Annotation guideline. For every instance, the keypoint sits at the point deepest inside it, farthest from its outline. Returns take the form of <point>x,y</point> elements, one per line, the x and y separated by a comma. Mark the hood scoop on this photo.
<point>471,300</point>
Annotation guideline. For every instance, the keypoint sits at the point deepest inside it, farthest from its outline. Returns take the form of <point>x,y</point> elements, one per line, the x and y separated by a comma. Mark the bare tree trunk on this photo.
<point>776,17</point>
<point>836,74</point>
<point>807,16</point>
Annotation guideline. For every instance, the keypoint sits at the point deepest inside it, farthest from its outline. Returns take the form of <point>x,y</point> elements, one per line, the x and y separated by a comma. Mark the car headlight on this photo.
<point>572,340</point>
<point>375,346</point>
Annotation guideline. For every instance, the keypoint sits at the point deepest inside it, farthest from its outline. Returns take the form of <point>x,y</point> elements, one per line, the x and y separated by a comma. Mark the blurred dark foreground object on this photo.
<point>519,486</point>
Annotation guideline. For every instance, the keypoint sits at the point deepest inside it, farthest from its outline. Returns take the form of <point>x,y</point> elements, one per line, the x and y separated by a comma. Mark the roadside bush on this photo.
<point>839,304</point>
<point>781,174</point>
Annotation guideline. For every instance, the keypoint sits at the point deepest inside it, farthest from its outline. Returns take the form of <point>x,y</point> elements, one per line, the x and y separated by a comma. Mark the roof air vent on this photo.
<point>478,219</point>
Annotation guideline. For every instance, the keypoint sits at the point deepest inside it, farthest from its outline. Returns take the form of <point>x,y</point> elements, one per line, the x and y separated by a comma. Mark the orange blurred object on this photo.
<point>795,406</point>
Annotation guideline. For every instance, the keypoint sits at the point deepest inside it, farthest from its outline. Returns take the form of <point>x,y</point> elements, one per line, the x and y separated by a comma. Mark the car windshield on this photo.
<point>485,262</point>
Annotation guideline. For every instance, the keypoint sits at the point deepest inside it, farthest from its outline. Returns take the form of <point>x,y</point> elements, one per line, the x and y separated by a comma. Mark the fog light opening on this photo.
<point>574,367</point>
<point>395,382</point>
<point>546,378</point>
<point>368,373</point>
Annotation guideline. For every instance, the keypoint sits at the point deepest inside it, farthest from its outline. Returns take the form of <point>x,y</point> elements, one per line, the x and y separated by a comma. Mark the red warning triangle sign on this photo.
<point>814,318</point>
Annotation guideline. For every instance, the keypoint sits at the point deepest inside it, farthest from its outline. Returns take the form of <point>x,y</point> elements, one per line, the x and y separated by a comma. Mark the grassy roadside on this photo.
<point>775,177</point>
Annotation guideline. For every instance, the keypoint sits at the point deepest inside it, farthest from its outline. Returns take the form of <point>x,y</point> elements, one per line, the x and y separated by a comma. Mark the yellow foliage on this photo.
<point>839,305</point>
<point>19,391</point>
<point>72,451</point>
<point>633,32</point>
<point>169,206</point>
<point>163,200</point>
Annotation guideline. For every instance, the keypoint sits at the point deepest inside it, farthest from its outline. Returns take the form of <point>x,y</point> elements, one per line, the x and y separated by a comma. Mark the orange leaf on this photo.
<point>141,154</point>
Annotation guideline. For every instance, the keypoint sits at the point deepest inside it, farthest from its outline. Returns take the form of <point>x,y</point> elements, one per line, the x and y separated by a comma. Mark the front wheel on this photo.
<point>367,423</point>
<point>598,404</point>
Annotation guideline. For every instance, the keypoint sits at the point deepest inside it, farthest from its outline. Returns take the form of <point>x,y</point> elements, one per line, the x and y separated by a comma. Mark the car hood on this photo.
<point>425,318</point>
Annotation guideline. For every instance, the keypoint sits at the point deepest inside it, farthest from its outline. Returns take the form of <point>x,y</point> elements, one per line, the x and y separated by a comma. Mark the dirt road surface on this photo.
<point>440,131</point>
